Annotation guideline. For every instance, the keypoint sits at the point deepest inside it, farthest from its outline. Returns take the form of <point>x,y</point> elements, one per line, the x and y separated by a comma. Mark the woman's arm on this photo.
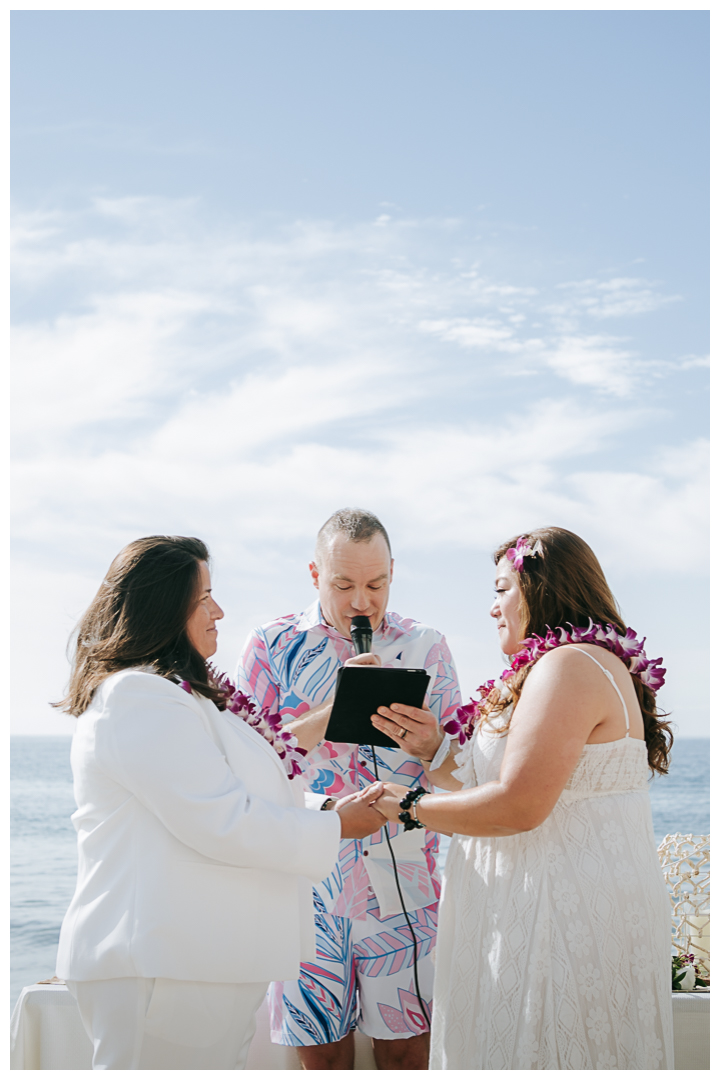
<point>562,702</point>
<point>442,777</point>
<point>153,741</point>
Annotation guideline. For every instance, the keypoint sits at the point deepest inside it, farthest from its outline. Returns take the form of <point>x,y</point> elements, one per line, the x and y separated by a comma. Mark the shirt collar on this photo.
<point>312,618</point>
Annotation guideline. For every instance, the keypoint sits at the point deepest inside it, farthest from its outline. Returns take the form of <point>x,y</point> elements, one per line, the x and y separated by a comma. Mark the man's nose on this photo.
<point>361,602</point>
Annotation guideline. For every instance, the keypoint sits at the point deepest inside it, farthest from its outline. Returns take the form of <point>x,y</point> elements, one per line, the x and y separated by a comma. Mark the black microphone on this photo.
<point>361,634</point>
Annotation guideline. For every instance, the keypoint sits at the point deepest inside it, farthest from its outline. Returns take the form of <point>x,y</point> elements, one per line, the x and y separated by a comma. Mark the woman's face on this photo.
<point>201,624</point>
<point>507,608</point>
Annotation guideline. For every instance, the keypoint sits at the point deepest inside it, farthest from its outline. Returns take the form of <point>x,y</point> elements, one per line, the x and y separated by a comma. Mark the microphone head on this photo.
<point>361,634</point>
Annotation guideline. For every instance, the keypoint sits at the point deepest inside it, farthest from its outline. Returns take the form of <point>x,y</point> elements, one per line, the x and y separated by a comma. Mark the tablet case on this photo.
<point>359,691</point>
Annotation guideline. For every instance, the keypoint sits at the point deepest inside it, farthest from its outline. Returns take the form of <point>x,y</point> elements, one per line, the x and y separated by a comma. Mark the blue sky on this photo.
<point>449,266</point>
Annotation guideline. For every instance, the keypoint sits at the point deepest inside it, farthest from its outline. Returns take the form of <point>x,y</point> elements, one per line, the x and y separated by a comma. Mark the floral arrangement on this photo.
<point>627,646</point>
<point>523,550</point>
<point>685,973</point>
<point>265,723</point>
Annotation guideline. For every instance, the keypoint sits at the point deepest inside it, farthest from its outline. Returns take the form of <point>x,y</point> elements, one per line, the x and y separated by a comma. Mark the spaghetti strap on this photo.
<point>612,680</point>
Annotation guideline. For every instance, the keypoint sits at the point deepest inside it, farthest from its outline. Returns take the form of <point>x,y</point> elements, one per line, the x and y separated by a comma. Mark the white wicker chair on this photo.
<point>685,863</point>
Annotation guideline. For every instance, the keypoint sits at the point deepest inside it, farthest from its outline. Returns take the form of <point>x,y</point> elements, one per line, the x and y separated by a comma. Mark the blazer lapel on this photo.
<point>245,731</point>
<point>249,732</point>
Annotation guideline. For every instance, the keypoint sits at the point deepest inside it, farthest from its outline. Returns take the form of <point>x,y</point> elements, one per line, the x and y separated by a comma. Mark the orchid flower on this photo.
<point>265,723</point>
<point>523,550</point>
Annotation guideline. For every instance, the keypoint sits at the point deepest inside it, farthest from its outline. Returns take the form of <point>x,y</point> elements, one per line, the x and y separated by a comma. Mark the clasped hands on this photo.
<point>365,812</point>
<point>416,732</point>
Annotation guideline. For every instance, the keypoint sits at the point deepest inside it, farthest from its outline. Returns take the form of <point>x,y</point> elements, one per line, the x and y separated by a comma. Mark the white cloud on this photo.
<point>472,333</point>
<point>596,362</point>
<point>239,385</point>
<point>686,363</point>
<point>110,363</point>
<point>615,298</point>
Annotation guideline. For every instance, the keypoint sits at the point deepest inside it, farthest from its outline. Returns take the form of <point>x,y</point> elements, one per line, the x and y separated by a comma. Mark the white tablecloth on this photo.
<point>46,1032</point>
<point>691,1027</point>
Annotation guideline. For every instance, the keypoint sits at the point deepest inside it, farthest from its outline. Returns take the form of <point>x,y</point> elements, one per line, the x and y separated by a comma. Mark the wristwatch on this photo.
<point>328,804</point>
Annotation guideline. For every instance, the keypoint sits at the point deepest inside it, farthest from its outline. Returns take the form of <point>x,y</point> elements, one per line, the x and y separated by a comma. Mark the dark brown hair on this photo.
<point>565,585</point>
<point>138,619</point>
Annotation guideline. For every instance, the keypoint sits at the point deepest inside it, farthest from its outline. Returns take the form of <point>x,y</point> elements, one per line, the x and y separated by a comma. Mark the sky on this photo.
<point>448,266</point>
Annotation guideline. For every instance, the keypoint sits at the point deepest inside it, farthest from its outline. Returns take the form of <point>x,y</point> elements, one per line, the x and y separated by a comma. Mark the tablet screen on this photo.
<point>359,691</point>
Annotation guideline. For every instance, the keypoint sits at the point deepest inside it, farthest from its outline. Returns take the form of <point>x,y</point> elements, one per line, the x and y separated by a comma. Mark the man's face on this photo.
<point>353,579</point>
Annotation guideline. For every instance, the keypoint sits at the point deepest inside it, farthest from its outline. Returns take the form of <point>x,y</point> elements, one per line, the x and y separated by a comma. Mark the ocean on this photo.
<point>43,855</point>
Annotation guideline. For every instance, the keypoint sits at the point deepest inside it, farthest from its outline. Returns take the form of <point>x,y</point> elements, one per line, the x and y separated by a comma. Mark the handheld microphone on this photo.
<point>361,634</point>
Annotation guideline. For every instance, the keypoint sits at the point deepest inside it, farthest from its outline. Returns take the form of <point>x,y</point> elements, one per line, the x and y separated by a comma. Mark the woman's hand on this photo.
<point>358,817</point>
<point>416,731</point>
<point>389,801</point>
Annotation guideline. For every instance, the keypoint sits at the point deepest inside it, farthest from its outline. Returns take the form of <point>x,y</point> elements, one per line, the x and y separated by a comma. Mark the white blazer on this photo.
<point>195,852</point>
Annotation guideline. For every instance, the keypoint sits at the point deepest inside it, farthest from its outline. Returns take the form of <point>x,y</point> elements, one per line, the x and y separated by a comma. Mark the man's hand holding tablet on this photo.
<point>416,731</point>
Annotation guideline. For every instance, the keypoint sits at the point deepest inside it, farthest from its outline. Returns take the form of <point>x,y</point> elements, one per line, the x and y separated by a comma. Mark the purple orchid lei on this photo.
<point>265,723</point>
<point>627,646</point>
<point>523,550</point>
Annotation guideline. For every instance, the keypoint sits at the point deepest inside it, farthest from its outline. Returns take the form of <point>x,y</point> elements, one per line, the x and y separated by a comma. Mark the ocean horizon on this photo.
<point>43,839</point>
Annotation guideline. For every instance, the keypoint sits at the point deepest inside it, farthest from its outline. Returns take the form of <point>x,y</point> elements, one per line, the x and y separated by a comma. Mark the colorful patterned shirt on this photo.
<point>290,666</point>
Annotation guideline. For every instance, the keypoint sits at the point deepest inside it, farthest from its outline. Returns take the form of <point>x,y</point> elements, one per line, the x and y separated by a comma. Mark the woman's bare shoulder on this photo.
<point>563,660</point>
<point>563,672</point>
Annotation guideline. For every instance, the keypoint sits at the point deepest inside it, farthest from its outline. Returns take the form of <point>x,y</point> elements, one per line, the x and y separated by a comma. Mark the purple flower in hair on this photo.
<point>523,550</point>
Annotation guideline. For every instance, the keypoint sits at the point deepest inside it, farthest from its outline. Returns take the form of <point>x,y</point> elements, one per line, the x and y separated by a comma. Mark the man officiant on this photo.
<point>364,973</point>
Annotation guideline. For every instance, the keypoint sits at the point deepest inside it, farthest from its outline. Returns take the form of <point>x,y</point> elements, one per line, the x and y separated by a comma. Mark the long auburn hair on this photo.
<point>566,585</point>
<point>139,618</point>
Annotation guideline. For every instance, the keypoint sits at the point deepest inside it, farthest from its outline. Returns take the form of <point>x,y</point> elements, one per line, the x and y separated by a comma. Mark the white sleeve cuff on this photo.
<point>314,801</point>
<point>440,754</point>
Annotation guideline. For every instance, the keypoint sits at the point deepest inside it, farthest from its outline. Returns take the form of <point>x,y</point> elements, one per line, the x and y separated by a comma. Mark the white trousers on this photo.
<point>168,1024</point>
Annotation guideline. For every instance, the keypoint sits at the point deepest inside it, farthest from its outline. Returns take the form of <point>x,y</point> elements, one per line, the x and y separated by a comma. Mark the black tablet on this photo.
<point>359,691</point>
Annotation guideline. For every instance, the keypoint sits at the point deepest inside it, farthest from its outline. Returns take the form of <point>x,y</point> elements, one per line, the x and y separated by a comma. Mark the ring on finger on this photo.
<point>403,733</point>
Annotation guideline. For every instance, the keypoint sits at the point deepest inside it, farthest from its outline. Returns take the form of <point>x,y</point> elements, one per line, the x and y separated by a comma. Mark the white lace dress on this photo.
<point>554,945</point>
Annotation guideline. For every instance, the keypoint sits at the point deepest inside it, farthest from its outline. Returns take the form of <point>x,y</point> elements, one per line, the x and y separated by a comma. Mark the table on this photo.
<point>691,1028</point>
<point>46,1033</point>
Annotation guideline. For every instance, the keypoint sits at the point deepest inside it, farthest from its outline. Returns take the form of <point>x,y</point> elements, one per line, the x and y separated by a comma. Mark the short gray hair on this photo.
<point>357,525</point>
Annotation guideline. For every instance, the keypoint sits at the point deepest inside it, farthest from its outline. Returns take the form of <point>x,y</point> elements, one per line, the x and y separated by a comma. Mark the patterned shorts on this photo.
<point>363,977</point>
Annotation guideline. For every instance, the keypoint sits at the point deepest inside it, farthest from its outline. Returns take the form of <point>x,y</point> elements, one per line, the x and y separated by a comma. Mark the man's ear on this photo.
<point>314,574</point>
<point>392,567</point>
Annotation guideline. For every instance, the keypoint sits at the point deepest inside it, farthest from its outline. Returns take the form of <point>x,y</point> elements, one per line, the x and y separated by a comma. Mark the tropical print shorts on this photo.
<point>362,978</point>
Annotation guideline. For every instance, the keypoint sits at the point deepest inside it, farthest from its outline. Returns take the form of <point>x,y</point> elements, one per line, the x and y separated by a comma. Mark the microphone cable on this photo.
<point>361,634</point>
<point>404,909</point>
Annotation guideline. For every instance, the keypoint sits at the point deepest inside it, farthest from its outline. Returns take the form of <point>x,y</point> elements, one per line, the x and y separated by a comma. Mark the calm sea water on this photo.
<point>43,838</point>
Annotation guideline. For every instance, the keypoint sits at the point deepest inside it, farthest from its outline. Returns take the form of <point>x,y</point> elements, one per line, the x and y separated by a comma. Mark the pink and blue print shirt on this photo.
<point>290,666</point>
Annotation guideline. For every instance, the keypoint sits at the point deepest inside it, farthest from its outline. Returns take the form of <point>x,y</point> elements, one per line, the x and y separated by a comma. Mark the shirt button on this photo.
<point>364,852</point>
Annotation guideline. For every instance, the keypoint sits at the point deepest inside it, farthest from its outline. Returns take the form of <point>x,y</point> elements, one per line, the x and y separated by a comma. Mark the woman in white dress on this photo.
<point>195,851</point>
<point>554,937</point>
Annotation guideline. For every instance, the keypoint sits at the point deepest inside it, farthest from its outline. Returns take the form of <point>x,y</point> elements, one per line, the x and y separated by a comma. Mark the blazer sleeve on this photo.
<point>158,747</point>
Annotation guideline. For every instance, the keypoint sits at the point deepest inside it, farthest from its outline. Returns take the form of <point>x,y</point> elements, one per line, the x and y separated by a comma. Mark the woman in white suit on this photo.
<point>195,851</point>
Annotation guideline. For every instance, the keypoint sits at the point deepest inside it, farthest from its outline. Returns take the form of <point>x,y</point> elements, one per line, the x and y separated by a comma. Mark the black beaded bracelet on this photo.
<point>406,802</point>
